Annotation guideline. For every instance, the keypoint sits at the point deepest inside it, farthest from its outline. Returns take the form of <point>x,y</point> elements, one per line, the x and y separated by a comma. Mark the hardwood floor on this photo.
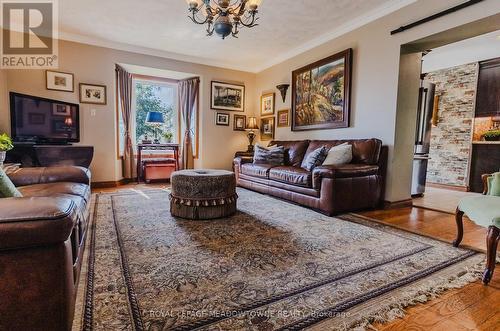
<point>441,199</point>
<point>473,307</point>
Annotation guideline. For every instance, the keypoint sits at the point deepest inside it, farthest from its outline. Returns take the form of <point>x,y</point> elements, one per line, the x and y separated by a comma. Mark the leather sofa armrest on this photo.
<point>35,221</point>
<point>42,175</point>
<point>350,170</point>
<point>321,172</point>
<point>238,161</point>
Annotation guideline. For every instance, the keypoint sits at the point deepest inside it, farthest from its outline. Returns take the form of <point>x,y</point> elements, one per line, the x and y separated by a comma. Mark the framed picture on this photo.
<point>59,81</point>
<point>266,128</point>
<point>93,94</point>
<point>239,122</point>
<point>267,104</point>
<point>226,96</point>
<point>283,118</point>
<point>321,93</point>
<point>61,110</point>
<point>222,119</point>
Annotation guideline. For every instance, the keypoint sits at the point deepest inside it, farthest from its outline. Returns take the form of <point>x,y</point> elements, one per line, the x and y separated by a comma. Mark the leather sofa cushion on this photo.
<point>364,151</point>
<point>256,170</point>
<point>57,189</point>
<point>291,175</point>
<point>294,151</point>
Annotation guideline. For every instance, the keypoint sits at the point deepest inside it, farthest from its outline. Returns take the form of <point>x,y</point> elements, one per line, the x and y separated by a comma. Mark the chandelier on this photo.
<point>224,17</point>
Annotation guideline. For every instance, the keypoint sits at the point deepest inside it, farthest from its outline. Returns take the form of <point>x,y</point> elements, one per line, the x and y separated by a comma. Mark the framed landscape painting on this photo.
<point>321,93</point>
<point>226,96</point>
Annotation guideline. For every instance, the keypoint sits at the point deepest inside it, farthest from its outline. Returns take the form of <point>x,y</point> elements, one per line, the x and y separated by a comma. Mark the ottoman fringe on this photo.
<point>205,202</point>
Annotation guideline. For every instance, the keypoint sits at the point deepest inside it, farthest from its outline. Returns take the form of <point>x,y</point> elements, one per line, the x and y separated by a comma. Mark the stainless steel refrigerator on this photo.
<point>422,137</point>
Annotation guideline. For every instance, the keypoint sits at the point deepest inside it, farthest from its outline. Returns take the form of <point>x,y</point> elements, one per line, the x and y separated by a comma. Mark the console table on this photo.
<point>155,147</point>
<point>33,155</point>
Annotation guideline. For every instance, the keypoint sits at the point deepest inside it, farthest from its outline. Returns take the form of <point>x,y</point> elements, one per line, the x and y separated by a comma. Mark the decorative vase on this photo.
<point>2,157</point>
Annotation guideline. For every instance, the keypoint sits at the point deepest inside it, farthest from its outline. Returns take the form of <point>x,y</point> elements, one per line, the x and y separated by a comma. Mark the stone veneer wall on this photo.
<point>451,139</point>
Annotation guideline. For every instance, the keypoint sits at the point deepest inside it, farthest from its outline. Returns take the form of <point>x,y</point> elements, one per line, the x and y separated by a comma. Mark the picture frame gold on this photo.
<point>267,128</point>
<point>267,102</point>
<point>321,93</point>
<point>283,118</point>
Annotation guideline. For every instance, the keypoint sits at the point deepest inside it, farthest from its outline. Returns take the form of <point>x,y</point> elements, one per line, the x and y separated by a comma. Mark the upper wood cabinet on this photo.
<point>488,88</point>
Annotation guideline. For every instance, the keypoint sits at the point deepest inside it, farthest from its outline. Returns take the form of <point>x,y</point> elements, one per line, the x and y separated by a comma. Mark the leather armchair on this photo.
<point>42,237</point>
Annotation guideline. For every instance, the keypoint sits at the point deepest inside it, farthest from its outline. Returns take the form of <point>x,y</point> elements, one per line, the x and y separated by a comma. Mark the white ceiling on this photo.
<point>483,47</point>
<point>161,27</point>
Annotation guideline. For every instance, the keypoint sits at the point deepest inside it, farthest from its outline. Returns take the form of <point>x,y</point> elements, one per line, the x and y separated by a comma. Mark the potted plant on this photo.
<point>492,135</point>
<point>168,137</point>
<point>5,145</point>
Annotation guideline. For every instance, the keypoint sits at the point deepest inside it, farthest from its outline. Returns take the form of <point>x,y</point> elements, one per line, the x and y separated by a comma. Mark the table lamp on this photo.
<point>250,127</point>
<point>155,119</point>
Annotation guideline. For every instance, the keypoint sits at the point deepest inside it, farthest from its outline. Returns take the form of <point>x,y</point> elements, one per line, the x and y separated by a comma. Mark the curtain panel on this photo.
<point>125,85</point>
<point>188,98</point>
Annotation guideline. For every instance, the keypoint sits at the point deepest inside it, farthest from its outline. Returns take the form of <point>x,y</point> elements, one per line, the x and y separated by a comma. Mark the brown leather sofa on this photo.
<point>328,189</point>
<point>42,238</point>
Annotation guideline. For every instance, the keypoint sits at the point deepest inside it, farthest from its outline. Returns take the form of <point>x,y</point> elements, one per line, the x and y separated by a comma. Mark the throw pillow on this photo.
<point>315,158</point>
<point>7,188</point>
<point>494,184</point>
<point>274,156</point>
<point>340,154</point>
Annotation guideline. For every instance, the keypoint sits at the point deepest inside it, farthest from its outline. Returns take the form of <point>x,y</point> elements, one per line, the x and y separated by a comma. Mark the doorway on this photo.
<point>444,150</point>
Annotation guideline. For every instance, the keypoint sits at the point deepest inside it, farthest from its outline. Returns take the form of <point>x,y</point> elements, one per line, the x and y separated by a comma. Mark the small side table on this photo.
<point>244,155</point>
<point>155,147</point>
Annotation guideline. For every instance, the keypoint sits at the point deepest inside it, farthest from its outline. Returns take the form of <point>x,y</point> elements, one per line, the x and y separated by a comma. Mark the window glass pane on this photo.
<point>155,97</point>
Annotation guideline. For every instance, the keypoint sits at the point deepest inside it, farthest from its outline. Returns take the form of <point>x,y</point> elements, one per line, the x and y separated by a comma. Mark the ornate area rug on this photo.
<point>272,266</point>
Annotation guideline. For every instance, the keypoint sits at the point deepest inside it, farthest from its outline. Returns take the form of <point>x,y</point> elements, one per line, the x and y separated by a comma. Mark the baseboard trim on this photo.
<point>111,184</point>
<point>449,187</point>
<point>397,204</point>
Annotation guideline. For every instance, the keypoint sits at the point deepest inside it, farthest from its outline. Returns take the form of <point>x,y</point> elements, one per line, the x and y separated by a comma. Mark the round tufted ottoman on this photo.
<point>203,194</point>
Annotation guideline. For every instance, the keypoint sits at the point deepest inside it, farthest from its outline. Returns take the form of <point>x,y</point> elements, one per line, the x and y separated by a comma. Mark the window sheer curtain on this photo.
<point>124,82</point>
<point>188,97</point>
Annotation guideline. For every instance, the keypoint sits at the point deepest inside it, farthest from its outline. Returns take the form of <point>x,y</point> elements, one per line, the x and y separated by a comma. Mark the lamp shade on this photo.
<point>155,117</point>
<point>252,124</point>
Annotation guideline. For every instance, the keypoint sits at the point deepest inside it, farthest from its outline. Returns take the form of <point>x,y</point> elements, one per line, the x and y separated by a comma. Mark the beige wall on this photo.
<point>92,64</point>
<point>374,106</point>
<point>4,103</point>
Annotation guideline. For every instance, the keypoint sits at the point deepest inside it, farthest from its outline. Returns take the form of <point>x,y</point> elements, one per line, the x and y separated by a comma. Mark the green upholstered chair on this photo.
<point>485,211</point>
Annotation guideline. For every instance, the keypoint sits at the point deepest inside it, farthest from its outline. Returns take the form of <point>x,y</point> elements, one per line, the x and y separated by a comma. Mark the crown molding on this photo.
<point>99,42</point>
<point>353,24</point>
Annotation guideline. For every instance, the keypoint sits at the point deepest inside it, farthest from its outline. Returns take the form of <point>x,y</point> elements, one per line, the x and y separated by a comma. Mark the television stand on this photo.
<point>42,155</point>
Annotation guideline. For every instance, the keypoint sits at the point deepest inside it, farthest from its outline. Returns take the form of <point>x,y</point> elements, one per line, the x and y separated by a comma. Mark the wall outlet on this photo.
<point>92,112</point>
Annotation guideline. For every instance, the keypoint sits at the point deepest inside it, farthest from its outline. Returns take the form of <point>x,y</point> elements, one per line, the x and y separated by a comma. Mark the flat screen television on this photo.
<point>40,120</point>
